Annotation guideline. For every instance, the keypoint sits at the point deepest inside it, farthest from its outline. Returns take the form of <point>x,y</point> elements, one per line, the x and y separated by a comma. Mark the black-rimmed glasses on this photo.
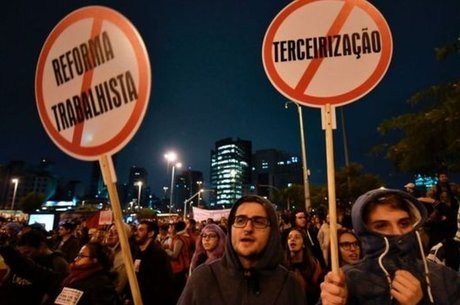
<point>347,245</point>
<point>259,222</point>
<point>81,255</point>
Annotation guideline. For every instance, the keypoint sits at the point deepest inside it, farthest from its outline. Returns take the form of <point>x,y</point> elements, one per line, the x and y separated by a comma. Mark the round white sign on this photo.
<point>92,82</point>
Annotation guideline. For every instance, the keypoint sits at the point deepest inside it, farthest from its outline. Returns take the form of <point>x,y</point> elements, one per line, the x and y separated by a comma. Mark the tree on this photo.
<point>350,182</point>
<point>290,197</point>
<point>426,141</point>
<point>32,202</point>
<point>146,213</point>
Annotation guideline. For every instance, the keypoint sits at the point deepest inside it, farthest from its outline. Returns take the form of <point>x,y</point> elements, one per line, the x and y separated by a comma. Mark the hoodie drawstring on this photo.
<point>385,252</point>
<point>425,266</point>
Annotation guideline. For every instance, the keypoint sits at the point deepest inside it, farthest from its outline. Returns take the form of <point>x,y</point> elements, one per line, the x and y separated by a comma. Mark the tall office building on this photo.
<point>273,169</point>
<point>230,170</point>
<point>29,178</point>
<point>187,183</point>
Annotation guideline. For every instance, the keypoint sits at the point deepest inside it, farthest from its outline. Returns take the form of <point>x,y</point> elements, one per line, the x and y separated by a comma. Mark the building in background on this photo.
<point>18,179</point>
<point>230,170</point>
<point>273,170</point>
<point>187,183</point>
<point>137,190</point>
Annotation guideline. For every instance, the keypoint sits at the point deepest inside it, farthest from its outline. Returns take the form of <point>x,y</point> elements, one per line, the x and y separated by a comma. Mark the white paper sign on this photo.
<point>68,296</point>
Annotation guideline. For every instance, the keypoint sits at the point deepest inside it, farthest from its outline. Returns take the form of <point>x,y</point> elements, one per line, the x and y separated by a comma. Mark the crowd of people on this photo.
<point>255,256</point>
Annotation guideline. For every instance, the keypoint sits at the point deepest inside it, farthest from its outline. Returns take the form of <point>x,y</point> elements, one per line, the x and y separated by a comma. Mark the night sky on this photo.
<point>208,83</point>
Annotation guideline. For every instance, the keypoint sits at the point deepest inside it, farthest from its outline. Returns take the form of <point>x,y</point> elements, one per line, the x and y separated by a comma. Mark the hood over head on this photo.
<point>272,255</point>
<point>373,243</point>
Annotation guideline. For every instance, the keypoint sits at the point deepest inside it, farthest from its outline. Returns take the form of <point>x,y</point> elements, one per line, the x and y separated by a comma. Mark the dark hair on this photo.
<point>309,260</point>
<point>179,226</point>
<point>341,232</point>
<point>249,198</point>
<point>293,217</point>
<point>391,200</point>
<point>151,226</point>
<point>68,225</point>
<point>164,227</point>
<point>33,238</point>
<point>192,221</point>
<point>102,253</point>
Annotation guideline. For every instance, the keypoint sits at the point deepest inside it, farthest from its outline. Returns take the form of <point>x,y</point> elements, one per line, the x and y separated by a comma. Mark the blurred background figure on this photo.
<point>35,273</point>
<point>112,240</point>
<point>180,255</point>
<point>411,189</point>
<point>153,269</point>
<point>303,263</point>
<point>66,241</point>
<point>324,239</point>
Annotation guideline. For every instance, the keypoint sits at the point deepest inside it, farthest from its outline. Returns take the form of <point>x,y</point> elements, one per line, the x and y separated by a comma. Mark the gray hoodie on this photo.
<point>226,282</point>
<point>369,281</point>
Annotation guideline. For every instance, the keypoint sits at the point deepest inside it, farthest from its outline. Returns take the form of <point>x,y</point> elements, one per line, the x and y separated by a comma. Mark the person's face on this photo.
<point>386,220</point>
<point>350,252</point>
<point>28,251</point>
<point>301,220</point>
<point>443,178</point>
<point>112,237</point>
<point>295,241</point>
<point>63,231</point>
<point>209,240</point>
<point>171,230</point>
<point>142,234</point>
<point>248,241</point>
<point>83,257</point>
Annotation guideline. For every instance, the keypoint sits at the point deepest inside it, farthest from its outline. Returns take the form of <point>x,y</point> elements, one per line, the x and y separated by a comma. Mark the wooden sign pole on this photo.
<point>331,187</point>
<point>108,173</point>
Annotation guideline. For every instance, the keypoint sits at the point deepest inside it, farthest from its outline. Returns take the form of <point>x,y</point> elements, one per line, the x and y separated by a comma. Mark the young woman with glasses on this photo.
<point>349,247</point>
<point>210,245</point>
<point>90,281</point>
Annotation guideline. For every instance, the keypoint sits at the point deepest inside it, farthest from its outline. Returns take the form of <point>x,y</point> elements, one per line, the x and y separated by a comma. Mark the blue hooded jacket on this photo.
<point>369,282</point>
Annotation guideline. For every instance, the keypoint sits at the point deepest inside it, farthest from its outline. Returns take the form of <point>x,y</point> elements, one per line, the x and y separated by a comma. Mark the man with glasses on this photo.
<point>250,271</point>
<point>394,269</point>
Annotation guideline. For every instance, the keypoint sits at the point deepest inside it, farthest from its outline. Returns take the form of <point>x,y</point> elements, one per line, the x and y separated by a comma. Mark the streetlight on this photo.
<point>171,192</point>
<point>199,188</point>
<point>16,182</point>
<point>306,184</point>
<point>170,157</point>
<point>187,201</point>
<point>139,184</point>
<point>165,190</point>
